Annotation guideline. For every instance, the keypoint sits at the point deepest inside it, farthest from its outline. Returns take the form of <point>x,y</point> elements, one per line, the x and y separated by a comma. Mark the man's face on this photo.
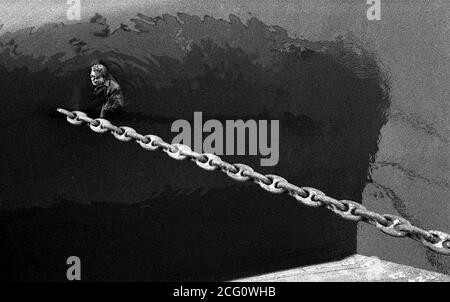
<point>97,79</point>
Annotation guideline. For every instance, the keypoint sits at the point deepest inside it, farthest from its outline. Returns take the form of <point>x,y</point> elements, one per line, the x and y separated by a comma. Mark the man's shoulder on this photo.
<point>113,85</point>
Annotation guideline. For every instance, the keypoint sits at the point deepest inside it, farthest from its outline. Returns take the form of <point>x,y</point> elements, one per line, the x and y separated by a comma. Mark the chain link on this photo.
<point>273,187</point>
<point>177,153</point>
<point>74,119</point>
<point>224,166</point>
<point>258,178</point>
<point>165,146</point>
<point>392,225</point>
<point>349,210</point>
<point>88,120</point>
<point>101,125</point>
<point>310,197</point>
<point>113,129</point>
<point>125,135</point>
<point>208,163</point>
<point>241,174</point>
<point>372,218</point>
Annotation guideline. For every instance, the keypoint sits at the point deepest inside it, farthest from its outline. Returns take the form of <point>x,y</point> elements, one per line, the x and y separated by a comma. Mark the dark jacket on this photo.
<point>108,98</point>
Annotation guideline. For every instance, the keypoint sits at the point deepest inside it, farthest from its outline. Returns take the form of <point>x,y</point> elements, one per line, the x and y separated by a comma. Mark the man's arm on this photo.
<point>114,101</point>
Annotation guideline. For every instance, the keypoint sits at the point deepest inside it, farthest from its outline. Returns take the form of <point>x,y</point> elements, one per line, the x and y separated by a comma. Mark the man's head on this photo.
<point>98,74</point>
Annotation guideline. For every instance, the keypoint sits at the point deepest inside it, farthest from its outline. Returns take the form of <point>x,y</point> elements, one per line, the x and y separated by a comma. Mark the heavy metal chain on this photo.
<point>350,210</point>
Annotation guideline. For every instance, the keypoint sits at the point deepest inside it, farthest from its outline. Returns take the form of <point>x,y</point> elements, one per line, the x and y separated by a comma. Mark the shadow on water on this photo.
<point>191,237</point>
<point>134,215</point>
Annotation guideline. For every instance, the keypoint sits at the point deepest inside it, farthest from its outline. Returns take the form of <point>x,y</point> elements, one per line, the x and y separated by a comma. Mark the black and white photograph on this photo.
<point>224,146</point>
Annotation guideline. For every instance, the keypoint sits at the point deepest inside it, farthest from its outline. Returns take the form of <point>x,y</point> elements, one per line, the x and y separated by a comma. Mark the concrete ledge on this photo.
<point>356,268</point>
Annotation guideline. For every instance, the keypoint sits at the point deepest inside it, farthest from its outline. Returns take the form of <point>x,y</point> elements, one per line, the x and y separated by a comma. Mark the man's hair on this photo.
<point>100,69</point>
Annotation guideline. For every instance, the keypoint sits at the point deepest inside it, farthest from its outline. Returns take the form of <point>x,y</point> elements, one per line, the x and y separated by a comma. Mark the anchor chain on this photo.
<point>391,225</point>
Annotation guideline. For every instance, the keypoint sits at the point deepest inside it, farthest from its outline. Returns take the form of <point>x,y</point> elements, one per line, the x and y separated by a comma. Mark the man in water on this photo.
<point>107,95</point>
